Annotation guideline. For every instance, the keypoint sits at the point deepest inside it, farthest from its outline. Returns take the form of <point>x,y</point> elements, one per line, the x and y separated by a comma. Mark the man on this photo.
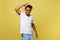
<point>27,23</point>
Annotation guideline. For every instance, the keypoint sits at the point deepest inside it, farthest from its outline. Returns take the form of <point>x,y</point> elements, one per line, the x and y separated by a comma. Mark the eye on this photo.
<point>28,10</point>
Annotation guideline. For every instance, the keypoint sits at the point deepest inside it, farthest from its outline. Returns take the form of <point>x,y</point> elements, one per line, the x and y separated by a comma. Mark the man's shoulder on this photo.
<point>31,16</point>
<point>22,13</point>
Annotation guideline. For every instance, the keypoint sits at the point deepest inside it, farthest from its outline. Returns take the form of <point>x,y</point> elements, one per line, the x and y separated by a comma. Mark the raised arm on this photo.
<point>18,7</point>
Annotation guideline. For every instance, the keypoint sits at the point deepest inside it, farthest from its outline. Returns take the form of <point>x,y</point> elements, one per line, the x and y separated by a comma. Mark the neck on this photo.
<point>28,15</point>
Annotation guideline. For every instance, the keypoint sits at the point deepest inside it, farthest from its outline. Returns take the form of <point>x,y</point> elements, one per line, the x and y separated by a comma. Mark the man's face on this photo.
<point>28,10</point>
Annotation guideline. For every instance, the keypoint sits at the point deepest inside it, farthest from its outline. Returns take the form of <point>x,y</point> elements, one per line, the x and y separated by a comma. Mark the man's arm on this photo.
<point>34,28</point>
<point>18,7</point>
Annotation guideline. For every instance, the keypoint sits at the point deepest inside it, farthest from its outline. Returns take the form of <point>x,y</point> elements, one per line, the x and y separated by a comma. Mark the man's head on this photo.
<point>28,9</point>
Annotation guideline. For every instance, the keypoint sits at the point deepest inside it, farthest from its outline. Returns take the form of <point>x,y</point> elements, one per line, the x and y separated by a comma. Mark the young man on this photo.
<point>27,23</point>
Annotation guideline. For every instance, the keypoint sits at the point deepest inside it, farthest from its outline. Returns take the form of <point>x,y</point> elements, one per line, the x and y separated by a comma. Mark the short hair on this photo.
<point>29,6</point>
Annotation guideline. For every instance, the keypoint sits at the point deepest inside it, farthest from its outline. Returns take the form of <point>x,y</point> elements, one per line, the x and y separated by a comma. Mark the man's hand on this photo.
<point>26,4</point>
<point>36,34</point>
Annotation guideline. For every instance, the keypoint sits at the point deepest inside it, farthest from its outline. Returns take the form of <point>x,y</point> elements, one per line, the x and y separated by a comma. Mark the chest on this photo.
<point>26,19</point>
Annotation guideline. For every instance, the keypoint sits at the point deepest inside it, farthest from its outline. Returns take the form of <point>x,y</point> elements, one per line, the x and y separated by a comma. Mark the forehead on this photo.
<point>27,8</point>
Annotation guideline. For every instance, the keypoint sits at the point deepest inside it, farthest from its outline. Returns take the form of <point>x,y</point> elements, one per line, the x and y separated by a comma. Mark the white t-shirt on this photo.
<point>25,23</point>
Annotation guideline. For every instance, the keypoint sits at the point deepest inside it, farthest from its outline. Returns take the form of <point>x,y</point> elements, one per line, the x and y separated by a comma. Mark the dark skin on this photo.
<point>34,28</point>
<point>27,11</point>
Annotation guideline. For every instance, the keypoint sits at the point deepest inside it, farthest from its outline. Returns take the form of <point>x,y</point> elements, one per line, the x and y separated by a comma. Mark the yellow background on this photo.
<point>46,15</point>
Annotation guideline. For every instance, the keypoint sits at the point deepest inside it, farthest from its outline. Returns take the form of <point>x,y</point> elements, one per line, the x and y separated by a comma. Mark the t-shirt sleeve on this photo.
<point>33,20</point>
<point>21,14</point>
